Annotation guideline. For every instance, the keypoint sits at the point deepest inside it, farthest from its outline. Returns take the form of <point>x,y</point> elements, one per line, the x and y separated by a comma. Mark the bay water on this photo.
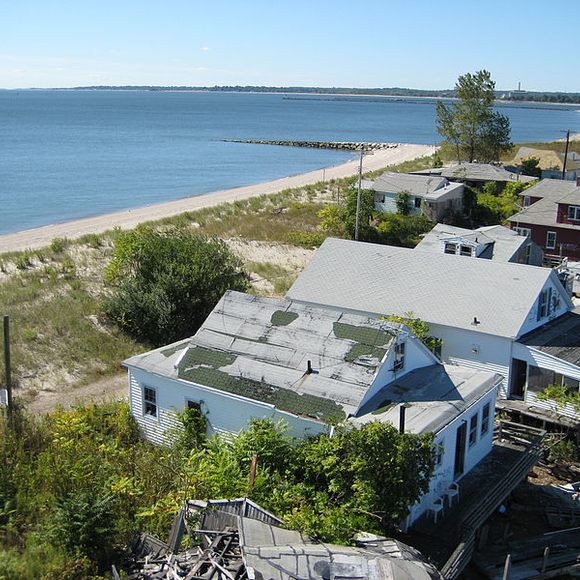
<point>65,155</point>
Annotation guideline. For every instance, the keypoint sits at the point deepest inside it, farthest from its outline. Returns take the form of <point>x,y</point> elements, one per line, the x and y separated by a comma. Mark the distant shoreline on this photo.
<point>385,93</point>
<point>42,236</point>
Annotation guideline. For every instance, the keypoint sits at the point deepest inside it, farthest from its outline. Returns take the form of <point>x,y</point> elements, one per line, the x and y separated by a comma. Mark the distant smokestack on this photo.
<point>402,410</point>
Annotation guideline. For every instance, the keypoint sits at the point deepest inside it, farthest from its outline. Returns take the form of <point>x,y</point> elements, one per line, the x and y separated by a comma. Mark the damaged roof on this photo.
<point>307,360</point>
<point>433,397</point>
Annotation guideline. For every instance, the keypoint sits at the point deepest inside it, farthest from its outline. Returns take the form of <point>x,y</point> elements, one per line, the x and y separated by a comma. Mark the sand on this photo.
<point>42,236</point>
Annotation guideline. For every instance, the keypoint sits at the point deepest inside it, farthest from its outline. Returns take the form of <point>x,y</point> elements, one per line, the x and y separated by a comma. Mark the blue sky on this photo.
<point>417,43</point>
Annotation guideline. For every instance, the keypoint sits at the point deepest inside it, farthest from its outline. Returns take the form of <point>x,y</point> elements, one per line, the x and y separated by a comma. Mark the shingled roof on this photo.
<point>303,359</point>
<point>438,288</point>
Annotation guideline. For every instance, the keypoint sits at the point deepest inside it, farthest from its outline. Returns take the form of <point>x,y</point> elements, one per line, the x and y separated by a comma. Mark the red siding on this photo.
<point>567,241</point>
<point>563,215</point>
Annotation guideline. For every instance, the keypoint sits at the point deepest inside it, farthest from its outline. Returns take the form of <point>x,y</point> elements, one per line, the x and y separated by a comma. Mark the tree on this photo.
<point>531,166</point>
<point>402,203</point>
<point>470,124</point>
<point>165,283</point>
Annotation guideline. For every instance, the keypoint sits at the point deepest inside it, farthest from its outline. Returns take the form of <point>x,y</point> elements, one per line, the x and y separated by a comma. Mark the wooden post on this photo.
<point>545,560</point>
<point>507,567</point>
<point>7,369</point>
<point>253,467</point>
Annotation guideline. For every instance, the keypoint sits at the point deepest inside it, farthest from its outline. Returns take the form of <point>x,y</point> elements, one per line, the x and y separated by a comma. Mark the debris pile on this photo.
<point>238,540</point>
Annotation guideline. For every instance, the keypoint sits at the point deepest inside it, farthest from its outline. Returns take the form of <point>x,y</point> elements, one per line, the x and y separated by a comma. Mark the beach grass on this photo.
<point>60,336</point>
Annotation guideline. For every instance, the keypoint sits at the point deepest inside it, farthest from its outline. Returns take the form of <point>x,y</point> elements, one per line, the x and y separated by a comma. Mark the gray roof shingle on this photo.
<point>438,288</point>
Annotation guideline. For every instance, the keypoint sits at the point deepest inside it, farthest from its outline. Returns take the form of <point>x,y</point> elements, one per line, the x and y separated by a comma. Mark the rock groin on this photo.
<point>345,145</point>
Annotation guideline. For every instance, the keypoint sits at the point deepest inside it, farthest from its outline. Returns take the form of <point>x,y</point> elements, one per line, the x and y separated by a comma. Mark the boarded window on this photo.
<point>399,356</point>
<point>150,400</point>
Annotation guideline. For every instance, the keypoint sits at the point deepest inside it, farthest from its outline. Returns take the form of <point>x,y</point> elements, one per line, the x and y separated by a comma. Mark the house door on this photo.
<point>460,449</point>
<point>518,378</point>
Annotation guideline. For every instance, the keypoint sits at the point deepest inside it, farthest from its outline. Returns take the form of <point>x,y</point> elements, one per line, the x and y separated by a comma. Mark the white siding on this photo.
<point>225,413</point>
<point>475,350</point>
<point>390,203</point>
<point>416,357</point>
<point>532,321</point>
<point>443,475</point>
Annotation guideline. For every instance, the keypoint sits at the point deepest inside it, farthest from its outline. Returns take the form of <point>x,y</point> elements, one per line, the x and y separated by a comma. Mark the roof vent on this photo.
<point>309,370</point>
<point>475,321</point>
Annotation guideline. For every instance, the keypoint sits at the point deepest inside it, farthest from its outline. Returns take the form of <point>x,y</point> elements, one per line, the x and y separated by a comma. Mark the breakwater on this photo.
<point>343,145</point>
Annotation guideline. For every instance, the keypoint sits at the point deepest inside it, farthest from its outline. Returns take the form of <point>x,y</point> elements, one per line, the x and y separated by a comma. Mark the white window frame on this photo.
<point>473,428</point>
<point>574,213</point>
<point>526,232</point>
<point>485,419</point>
<point>465,250</point>
<point>551,246</point>
<point>149,402</point>
<point>450,246</point>
<point>399,357</point>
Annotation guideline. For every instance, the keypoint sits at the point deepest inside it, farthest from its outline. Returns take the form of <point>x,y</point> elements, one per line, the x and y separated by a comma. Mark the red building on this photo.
<point>551,217</point>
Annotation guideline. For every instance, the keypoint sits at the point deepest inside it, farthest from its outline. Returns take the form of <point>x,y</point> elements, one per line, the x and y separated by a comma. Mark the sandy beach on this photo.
<point>42,236</point>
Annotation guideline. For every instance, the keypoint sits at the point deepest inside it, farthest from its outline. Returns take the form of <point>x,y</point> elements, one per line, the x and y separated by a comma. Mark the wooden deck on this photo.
<point>450,542</point>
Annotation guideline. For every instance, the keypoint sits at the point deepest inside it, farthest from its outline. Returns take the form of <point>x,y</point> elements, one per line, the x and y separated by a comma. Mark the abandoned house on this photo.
<point>309,365</point>
<point>486,312</point>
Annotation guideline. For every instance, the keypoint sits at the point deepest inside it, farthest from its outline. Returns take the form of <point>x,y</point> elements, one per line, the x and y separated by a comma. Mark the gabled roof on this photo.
<point>544,212</point>
<point>550,188</point>
<point>260,348</point>
<point>438,288</point>
<point>433,396</point>
<point>413,184</point>
<point>476,172</point>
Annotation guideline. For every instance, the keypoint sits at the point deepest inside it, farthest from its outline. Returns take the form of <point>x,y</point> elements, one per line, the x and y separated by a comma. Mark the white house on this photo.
<point>433,196</point>
<point>487,242</point>
<point>481,309</point>
<point>310,365</point>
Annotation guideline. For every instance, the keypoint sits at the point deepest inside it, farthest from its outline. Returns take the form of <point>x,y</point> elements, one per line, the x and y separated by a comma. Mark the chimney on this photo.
<point>402,410</point>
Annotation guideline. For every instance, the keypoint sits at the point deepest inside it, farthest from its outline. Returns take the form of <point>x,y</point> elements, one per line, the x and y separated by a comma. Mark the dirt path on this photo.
<point>106,389</point>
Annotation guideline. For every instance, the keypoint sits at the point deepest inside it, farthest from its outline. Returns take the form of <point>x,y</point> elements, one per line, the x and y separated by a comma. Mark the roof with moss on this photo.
<point>307,360</point>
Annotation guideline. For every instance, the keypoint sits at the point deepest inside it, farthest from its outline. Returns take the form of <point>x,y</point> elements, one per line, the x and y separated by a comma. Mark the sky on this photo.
<point>424,44</point>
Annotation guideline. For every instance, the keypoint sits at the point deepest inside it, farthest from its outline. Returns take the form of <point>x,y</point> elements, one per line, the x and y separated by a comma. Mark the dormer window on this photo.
<point>450,248</point>
<point>544,306</point>
<point>574,212</point>
<point>466,250</point>
<point>399,357</point>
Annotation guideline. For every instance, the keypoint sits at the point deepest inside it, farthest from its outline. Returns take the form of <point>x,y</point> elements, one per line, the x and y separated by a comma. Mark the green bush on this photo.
<point>165,283</point>
<point>564,451</point>
<point>306,239</point>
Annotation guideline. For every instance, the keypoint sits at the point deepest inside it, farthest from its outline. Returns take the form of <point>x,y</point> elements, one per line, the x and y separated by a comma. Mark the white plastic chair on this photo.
<point>436,507</point>
<point>453,491</point>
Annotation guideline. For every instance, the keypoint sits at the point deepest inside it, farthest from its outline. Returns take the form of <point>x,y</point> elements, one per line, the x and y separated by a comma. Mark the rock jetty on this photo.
<point>346,145</point>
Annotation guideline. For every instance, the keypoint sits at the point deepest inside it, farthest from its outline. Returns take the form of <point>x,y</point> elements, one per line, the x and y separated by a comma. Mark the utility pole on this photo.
<point>7,369</point>
<point>357,221</point>
<point>566,154</point>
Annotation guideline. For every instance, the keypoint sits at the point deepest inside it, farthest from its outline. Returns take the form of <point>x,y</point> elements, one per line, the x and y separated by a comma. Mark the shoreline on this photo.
<point>40,237</point>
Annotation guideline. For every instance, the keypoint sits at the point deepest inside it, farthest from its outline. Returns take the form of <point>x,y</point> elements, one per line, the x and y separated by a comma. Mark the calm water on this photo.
<point>67,155</point>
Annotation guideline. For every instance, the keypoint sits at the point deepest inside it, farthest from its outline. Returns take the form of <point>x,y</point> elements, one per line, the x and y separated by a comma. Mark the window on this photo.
<point>418,202</point>
<point>523,231</point>
<point>439,452</point>
<point>466,250</point>
<point>399,356</point>
<point>379,198</point>
<point>194,405</point>
<point>150,399</point>
<point>450,248</point>
<point>544,303</point>
<point>539,379</point>
<point>574,212</point>
<point>473,431</point>
<point>527,201</point>
<point>550,240</point>
<point>485,419</point>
